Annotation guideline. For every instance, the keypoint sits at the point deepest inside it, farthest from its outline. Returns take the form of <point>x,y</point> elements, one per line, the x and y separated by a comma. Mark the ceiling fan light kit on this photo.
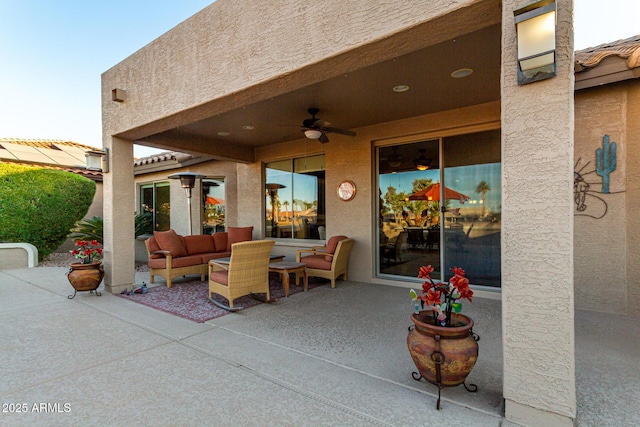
<point>422,163</point>
<point>315,128</point>
<point>312,134</point>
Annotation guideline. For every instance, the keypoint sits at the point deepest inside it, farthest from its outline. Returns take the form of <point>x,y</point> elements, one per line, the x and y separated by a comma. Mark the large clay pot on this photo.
<point>85,277</point>
<point>443,356</point>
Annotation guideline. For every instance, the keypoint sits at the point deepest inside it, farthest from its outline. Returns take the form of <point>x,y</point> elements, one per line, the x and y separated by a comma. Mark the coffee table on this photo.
<point>287,267</point>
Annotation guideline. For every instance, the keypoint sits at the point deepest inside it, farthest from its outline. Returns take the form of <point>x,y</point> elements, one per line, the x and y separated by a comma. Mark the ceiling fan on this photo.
<point>315,128</point>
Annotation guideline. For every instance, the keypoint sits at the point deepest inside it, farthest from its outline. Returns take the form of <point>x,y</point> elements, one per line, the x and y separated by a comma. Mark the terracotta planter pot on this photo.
<point>443,356</point>
<point>85,277</point>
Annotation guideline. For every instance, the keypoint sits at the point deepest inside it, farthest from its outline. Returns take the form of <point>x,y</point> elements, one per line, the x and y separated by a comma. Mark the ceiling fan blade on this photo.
<point>340,131</point>
<point>321,123</point>
<point>323,138</point>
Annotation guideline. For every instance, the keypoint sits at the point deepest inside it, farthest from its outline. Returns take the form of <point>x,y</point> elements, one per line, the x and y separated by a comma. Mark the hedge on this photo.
<point>40,206</point>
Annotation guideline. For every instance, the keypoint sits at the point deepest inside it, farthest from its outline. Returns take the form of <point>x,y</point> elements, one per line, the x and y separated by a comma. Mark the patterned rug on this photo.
<point>190,299</point>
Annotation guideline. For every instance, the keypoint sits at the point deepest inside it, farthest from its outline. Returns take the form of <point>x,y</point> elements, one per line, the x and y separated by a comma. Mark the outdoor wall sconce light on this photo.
<point>536,34</point>
<point>98,160</point>
<point>312,134</point>
<point>187,181</point>
<point>117,95</point>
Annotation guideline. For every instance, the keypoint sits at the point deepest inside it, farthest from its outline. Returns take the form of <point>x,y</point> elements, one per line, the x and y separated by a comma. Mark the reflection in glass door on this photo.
<point>409,220</point>
<point>441,216</point>
<point>472,229</point>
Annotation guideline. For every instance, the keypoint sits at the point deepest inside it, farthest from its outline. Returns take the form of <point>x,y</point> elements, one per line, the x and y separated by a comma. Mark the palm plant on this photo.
<point>482,188</point>
<point>88,229</point>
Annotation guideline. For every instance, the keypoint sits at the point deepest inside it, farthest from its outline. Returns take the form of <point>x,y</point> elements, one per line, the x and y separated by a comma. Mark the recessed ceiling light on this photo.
<point>223,134</point>
<point>462,72</point>
<point>247,127</point>
<point>400,88</point>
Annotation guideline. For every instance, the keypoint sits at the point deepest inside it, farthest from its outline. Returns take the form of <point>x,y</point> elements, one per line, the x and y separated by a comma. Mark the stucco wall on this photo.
<point>238,52</point>
<point>537,233</point>
<point>600,229</point>
<point>633,200</point>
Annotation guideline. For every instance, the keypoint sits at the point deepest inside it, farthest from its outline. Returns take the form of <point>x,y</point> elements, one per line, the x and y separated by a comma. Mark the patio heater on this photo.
<point>188,181</point>
<point>272,190</point>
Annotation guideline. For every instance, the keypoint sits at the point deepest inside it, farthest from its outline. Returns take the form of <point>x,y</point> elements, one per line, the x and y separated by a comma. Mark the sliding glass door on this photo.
<point>440,203</point>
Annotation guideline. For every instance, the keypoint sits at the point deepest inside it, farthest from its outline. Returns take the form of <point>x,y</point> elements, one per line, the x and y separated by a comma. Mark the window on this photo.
<point>156,203</point>
<point>213,206</point>
<point>295,198</point>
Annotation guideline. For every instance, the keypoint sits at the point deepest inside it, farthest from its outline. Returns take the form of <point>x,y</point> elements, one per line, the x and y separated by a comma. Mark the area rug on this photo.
<point>190,299</point>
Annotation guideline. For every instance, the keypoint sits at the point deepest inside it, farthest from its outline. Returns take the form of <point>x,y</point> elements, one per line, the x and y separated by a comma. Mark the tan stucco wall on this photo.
<point>601,230</point>
<point>237,52</point>
<point>633,200</point>
<point>537,233</point>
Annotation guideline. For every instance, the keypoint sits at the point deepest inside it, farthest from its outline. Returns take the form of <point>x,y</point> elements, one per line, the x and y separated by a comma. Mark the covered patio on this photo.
<point>234,83</point>
<point>325,357</point>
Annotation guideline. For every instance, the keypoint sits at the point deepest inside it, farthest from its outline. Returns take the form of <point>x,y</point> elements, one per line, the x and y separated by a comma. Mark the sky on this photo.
<point>53,52</point>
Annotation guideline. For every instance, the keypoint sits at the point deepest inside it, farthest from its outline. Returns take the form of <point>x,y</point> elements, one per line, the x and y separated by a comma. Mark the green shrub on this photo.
<point>88,229</point>
<point>40,206</point>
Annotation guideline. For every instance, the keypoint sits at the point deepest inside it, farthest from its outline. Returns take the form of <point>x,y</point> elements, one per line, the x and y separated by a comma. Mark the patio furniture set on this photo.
<point>239,266</point>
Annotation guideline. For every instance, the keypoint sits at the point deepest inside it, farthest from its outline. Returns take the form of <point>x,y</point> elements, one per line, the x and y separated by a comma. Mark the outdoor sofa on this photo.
<point>172,255</point>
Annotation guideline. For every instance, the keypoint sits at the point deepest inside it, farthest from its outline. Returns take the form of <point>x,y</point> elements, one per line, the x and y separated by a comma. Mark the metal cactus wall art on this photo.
<point>606,162</point>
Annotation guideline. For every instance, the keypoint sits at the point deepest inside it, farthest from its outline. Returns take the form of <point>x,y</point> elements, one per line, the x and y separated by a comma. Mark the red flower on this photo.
<point>425,272</point>
<point>431,297</point>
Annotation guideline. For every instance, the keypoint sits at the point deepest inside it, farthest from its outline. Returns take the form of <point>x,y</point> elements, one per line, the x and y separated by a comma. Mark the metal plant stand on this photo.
<point>439,359</point>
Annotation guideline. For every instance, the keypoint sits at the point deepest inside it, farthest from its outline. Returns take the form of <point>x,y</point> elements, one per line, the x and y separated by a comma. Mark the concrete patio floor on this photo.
<point>325,357</point>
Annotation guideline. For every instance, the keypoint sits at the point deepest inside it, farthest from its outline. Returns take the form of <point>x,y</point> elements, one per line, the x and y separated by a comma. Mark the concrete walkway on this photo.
<point>325,357</point>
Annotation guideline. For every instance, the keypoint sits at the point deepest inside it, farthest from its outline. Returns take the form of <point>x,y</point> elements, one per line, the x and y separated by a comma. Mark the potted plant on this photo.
<point>87,274</point>
<point>441,341</point>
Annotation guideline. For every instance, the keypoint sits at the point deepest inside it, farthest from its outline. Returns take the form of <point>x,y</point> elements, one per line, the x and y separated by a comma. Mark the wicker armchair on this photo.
<point>246,273</point>
<point>329,262</point>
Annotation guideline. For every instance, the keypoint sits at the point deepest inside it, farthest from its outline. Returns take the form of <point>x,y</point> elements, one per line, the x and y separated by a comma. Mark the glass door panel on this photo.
<point>409,208</point>
<point>473,202</point>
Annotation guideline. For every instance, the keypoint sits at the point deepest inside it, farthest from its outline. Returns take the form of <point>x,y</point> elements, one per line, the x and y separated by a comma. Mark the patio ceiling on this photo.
<point>353,100</point>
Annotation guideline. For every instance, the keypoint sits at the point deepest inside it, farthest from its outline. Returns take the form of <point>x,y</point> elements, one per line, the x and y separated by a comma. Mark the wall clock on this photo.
<point>346,190</point>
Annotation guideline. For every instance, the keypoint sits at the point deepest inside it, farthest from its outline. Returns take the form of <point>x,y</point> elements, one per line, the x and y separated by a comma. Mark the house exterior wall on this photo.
<point>537,232</point>
<point>184,76</point>
<point>633,200</point>
<point>606,230</point>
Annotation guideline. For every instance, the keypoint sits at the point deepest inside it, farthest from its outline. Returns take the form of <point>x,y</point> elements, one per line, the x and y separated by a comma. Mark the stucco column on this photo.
<point>119,212</point>
<point>537,233</point>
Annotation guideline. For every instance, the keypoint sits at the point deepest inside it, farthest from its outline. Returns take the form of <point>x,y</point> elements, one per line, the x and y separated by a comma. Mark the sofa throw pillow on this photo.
<point>170,241</point>
<point>220,241</point>
<point>199,244</point>
<point>152,246</point>
<point>238,234</point>
<point>332,244</point>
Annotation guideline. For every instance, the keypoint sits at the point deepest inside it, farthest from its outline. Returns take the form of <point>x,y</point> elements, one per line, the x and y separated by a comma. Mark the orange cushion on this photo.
<point>220,241</point>
<point>170,241</point>
<point>199,244</point>
<point>220,276</point>
<point>316,261</point>
<point>238,234</point>
<point>332,244</point>
<point>153,247</point>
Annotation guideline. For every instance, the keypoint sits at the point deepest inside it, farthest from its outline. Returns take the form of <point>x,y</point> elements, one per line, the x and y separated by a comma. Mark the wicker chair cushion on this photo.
<point>170,241</point>
<point>220,276</point>
<point>332,244</point>
<point>220,241</point>
<point>316,261</point>
<point>199,244</point>
<point>238,234</point>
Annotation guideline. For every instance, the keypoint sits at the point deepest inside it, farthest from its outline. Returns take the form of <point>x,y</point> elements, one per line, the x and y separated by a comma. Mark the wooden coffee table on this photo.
<point>287,267</point>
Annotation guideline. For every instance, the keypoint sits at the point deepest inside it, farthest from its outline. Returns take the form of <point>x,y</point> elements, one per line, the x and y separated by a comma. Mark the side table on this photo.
<point>285,268</point>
